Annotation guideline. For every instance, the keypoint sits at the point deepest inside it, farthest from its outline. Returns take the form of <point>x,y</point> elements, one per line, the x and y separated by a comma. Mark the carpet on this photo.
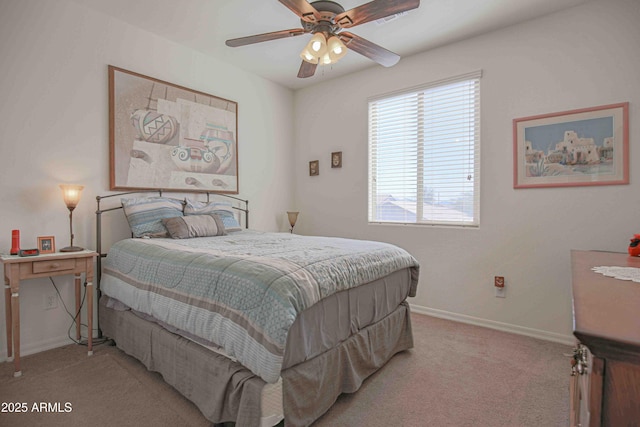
<point>456,375</point>
<point>460,375</point>
<point>93,391</point>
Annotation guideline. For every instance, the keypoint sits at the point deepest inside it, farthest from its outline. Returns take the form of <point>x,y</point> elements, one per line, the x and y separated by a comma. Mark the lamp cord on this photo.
<point>73,318</point>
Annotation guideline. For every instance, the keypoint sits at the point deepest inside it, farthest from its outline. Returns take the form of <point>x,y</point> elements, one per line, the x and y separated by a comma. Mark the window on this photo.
<point>424,154</point>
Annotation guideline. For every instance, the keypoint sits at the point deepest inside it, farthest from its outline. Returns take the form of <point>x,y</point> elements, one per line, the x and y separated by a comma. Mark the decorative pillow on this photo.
<point>229,220</point>
<point>145,214</point>
<point>185,227</point>
<point>223,209</point>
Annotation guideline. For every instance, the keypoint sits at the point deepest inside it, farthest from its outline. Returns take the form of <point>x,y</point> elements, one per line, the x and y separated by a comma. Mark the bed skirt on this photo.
<point>312,387</point>
<point>226,391</point>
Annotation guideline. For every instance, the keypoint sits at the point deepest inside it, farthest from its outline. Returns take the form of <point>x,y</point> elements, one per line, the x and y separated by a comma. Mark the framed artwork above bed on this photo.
<point>169,137</point>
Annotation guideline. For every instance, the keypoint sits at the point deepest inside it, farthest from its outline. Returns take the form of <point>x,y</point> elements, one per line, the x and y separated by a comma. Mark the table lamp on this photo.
<point>71,194</point>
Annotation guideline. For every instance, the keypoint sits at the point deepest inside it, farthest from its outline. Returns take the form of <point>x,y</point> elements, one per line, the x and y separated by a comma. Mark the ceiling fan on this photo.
<point>326,20</point>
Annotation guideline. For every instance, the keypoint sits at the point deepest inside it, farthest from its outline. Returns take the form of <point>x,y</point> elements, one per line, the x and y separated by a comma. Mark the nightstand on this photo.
<point>17,268</point>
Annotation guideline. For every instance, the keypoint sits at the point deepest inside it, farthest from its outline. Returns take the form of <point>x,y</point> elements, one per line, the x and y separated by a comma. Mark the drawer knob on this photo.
<point>55,265</point>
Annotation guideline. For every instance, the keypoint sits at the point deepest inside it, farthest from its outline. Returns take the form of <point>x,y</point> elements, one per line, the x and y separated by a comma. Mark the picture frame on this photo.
<point>583,147</point>
<point>336,159</point>
<point>314,168</point>
<point>169,137</point>
<point>47,244</point>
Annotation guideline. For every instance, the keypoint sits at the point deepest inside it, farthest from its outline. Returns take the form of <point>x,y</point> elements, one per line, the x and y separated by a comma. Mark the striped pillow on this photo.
<point>223,209</point>
<point>145,214</point>
<point>186,227</point>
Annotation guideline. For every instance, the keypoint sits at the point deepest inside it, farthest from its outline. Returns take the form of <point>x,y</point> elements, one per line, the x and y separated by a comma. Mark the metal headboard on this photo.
<point>243,208</point>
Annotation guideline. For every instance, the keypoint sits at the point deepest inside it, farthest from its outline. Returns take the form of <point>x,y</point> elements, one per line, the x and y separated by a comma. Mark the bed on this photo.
<point>253,327</point>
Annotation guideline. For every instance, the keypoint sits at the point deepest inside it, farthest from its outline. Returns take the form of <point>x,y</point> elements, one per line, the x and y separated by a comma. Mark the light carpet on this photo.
<point>457,375</point>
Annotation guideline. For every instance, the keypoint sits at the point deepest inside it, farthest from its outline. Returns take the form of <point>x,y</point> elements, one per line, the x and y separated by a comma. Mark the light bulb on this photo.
<point>316,46</point>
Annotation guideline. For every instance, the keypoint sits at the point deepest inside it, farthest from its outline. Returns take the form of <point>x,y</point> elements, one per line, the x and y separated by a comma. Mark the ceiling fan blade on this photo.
<point>307,70</point>
<point>242,41</point>
<point>303,9</point>
<point>371,50</point>
<point>371,11</point>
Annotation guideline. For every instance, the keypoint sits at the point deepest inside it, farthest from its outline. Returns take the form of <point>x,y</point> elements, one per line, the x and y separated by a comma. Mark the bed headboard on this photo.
<point>241,206</point>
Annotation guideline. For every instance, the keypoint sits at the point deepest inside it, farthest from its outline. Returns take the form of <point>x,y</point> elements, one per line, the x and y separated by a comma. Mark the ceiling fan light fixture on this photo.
<point>306,55</point>
<point>336,48</point>
<point>318,44</point>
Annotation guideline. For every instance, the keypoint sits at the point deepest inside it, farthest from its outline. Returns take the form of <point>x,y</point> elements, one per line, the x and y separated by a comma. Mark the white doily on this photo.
<point>622,273</point>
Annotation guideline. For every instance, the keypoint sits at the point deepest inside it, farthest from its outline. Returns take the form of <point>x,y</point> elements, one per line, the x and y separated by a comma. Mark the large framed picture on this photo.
<point>165,136</point>
<point>589,146</point>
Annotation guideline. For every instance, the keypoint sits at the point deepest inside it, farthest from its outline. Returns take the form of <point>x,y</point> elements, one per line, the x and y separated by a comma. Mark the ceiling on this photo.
<point>204,25</point>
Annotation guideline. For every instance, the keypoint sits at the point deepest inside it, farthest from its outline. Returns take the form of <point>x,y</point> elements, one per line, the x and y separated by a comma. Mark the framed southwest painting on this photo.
<point>165,136</point>
<point>572,148</point>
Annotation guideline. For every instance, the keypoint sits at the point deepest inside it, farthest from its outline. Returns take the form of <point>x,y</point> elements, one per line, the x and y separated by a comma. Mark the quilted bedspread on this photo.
<point>243,291</point>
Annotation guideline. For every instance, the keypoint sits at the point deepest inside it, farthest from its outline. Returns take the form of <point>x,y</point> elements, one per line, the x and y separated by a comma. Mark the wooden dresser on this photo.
<point>605,389</point>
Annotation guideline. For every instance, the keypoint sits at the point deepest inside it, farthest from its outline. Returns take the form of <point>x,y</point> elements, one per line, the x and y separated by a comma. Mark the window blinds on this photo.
<point>424,154</point>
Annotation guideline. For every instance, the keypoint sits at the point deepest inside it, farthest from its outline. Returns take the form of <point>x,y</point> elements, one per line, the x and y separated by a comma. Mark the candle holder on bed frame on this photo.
<point>99,212</point>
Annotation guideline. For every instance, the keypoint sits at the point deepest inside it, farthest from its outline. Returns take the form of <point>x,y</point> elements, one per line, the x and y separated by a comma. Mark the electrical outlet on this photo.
<point>50,301</point>
<point>498,283</point>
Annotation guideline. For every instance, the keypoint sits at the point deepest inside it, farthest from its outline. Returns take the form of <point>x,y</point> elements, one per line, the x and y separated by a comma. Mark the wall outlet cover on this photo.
<point>50,301</point>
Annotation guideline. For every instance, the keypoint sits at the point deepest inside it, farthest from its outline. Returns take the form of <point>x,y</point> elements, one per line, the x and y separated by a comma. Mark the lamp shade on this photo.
<point>336,49</point>
<point>318,44</point>
<point>71,194</point>
<point>293,217</point>
<point>315,49</point>
<point>306,55</point>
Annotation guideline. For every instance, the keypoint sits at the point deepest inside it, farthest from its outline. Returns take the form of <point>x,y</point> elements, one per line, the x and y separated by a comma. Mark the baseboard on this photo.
<point>492,324</point>
<point>27,349</point>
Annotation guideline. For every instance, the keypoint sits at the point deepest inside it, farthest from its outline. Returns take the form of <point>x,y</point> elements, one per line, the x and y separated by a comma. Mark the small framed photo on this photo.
<point>47,244</point>
<point>336,159</point>
<point>314,168</point>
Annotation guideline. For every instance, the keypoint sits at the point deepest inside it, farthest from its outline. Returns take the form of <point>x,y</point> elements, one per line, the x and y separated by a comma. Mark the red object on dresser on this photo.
<point>634,246</point>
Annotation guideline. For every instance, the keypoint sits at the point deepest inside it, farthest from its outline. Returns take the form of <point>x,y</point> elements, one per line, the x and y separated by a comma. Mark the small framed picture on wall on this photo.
<point>47,244</point>
<point>314,168</point>
<point>336,159</point>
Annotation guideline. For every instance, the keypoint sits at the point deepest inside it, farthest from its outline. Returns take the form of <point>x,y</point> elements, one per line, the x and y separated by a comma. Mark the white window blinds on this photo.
<point>424,154</point>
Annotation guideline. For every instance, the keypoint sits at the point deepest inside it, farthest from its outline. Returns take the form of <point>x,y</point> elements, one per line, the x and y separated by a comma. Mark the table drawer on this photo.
<point>53,265</point>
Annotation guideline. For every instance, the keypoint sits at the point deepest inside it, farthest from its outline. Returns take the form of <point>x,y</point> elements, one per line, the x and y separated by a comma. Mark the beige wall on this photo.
<point>54,110</point>
<point>581,57</point>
